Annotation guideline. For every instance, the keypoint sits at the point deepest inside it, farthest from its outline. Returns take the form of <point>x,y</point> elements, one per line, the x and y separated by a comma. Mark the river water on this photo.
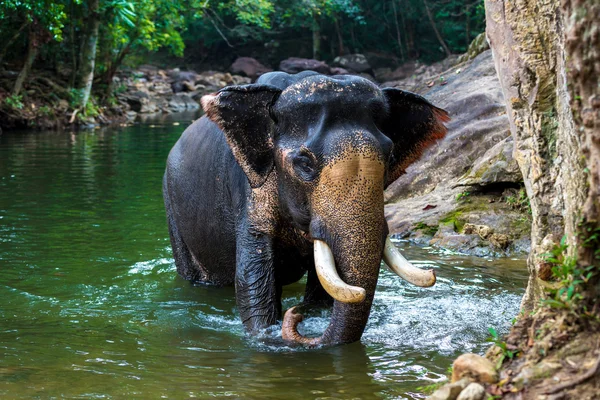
<point>91,305</point>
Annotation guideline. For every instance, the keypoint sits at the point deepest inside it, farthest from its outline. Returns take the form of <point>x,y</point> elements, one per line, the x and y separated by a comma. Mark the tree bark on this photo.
<point>528,45</point>
<point>316,34</point>
<point>583,52</point>
<point>435,30</point>
<point>398,37</point>
<point>467,26</point>
<point>32,50</point>
<point>85,77</point>
<point>340,39</point>
<point>12,40</point>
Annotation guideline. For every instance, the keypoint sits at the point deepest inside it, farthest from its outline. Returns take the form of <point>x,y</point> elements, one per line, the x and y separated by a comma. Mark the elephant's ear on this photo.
<point>413,124</point>
<point>243,114</point>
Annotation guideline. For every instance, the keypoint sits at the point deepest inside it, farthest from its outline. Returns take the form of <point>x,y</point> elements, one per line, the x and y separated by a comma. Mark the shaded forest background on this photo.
<point>85,43</point>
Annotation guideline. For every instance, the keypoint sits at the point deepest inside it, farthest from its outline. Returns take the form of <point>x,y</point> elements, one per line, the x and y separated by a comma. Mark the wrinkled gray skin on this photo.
<point>277,164</point>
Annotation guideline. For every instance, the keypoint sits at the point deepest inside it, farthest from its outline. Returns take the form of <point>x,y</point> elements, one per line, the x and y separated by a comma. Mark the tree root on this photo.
<point>590,373</point>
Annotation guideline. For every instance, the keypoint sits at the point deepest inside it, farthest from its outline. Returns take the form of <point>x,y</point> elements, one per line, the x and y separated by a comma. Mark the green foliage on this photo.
<point>464,196</point>
<point>48,16</point>
<point>15,102</point>
<point>570,276</point>
<point>427,229</point>
<point>429,389</point>
<point>506,351</point>
<point>216,31</point>
<point>520,201</point>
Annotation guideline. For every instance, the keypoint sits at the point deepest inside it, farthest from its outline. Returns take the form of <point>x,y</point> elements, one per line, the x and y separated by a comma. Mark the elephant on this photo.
<point>285,177</point>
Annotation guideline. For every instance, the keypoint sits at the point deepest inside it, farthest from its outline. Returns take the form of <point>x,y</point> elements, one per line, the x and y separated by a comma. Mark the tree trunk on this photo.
<point>398,37</point>
<point>407,39</point>
<point>12,40</point>
<point>340,39</point>
<point>85,77</point>
<point>467,27</point>
<point>316,33</point>
<point>32,50</point>
<point>528,46</point>
<point>583,52</point>
<point>435,30</point>
<point>114,67</point>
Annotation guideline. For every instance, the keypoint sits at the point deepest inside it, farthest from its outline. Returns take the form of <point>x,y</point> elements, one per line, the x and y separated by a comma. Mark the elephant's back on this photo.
<point>206,188</point>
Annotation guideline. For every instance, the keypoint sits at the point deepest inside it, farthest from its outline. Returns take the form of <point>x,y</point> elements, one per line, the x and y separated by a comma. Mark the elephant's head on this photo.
<point>334,144</point>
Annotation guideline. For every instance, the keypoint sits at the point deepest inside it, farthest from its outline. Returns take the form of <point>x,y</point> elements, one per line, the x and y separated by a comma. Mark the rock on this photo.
<point>353,62</point>
<point>140,102</point>
<point>475,367</point>
<point>178,76</point>
<point>418,77</point>
<point>177,87</point>
<point>189,86</point>
<point>449,391</point>
<point>483,231</point>
<point>497,165</point>
<point>477,46</point>
<point>249,66</point>
<point>181,102</point>
<point>214,81</point>
<point>543,369</point>
<point>402,72</point>
<point>161,87</point>
<point>478,140</point>
<point>474,391</point>
<point>465,244</point>
<point>339,71</point>
<point>294,65</point>
<point>366,76</point>
<point>240,80</point>
<point>499,240</point>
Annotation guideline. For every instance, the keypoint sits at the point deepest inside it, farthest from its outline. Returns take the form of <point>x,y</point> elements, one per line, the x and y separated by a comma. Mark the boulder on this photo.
<point>213,80</point>
<point>140,102</point>
<point>497,165</point>
<point>419,77</point>
<point>462,177</point>
<point>449,391</point>
<point>249,67</point>
<point>483,231</point>
<point>475,367</point>
<point>353,62</point>
<point>477,46</point>
<point>181,102</point>
<point>474,391</point>
<point>339,71</point>
<point>294,65</point>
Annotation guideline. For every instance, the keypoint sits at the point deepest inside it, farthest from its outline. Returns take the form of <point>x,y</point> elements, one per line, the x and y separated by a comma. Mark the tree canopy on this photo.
<point>91,39</point>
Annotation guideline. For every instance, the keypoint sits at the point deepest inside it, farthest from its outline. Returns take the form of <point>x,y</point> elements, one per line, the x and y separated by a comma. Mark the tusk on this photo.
<point>404,269</point>
<point>331,281</point>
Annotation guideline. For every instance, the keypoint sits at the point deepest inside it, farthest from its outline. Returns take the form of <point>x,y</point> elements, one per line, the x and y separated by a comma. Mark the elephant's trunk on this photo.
<point>348,217</point>
<point>351,312</point>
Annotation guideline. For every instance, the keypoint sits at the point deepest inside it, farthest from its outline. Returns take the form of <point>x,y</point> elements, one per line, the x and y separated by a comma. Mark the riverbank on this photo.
<point>46,104</point>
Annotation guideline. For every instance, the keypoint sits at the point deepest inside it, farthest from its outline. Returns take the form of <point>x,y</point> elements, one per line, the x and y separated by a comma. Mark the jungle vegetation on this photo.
<point>87,41</point>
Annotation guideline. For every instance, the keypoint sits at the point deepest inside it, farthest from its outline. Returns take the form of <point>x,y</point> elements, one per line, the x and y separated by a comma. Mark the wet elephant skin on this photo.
<point>280,163</point>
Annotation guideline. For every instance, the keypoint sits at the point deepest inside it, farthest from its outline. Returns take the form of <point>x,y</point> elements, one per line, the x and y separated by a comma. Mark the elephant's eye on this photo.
<point>304,167</point>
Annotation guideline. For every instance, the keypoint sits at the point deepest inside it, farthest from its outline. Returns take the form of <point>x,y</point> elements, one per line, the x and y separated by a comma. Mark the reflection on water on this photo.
<point>92,306</point>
